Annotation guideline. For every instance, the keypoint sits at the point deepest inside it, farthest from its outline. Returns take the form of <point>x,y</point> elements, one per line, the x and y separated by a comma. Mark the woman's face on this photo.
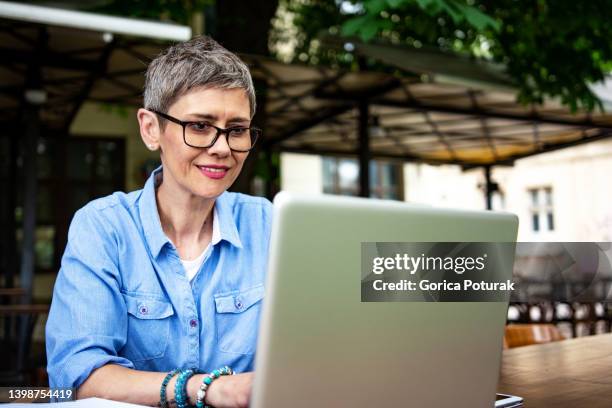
<point>204,172</point>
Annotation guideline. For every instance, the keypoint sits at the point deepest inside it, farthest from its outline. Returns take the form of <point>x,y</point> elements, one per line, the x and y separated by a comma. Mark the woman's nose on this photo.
<point>221,146</point>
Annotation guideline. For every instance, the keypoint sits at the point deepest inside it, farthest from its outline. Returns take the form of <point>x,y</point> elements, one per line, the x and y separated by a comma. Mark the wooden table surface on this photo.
<point>570,373</point>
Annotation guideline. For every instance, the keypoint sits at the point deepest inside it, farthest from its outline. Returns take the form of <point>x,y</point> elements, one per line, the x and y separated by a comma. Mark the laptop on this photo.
<point>321,345</point>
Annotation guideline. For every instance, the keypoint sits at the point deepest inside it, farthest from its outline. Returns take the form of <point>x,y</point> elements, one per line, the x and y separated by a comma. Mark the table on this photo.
<point>16,338</point>
<point>83,403</point>
<point>570,373</point>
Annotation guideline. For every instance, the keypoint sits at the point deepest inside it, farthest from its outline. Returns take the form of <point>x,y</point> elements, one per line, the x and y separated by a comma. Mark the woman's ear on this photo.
<point>149,128</point>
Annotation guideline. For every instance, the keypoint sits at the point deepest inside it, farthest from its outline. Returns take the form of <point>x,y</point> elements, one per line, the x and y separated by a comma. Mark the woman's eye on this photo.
<point>238,131</point>
<point>199,126</point>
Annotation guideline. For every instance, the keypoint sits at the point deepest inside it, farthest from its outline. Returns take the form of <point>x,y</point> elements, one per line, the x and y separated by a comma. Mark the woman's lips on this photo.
<point>214,172</point>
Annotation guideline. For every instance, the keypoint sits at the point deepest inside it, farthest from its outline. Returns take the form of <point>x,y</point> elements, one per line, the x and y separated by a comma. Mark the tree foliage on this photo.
<point>549,49</point>
<point>375,19</point>
<point>177,11</point>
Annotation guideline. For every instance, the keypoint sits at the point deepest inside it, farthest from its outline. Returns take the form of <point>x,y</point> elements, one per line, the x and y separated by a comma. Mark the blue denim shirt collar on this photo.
<point>151,224</point>
<point>227,224</point>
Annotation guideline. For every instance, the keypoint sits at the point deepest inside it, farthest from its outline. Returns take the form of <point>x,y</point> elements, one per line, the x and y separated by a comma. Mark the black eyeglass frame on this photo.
<point>219,130</point>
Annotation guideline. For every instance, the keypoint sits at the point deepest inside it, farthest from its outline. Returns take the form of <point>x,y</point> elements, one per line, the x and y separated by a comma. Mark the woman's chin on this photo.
<point>209,192</point>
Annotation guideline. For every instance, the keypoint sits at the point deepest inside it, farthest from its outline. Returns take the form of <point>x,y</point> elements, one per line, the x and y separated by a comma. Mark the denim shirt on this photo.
<point>122,296</point>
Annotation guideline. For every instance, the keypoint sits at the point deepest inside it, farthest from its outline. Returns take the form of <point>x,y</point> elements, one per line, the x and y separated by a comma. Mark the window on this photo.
<point>341,176</point>
<point>71,172</point>
<point>542,212</point>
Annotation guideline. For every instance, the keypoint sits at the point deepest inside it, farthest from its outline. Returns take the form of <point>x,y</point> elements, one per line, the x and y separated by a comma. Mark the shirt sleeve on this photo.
<point>87,324</point>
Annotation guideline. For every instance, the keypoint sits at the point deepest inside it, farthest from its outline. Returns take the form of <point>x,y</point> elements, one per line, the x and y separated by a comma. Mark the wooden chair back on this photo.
<point>518,335</point>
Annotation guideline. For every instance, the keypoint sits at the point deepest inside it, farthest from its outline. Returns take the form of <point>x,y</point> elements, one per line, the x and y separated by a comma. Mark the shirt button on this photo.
<point>143,309</point>
<point>193,322</point>
<point>238,303</point>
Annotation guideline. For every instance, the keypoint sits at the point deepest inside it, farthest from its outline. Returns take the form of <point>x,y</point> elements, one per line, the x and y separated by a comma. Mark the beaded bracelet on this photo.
<point>180,391</point>
<point>206,383</point>
<point>163,402</point>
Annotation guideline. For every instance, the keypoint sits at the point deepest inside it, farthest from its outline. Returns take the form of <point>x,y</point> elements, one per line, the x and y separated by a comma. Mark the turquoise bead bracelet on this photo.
<point>180,388</point>
<point>163,402</point>
<point>206,383</point>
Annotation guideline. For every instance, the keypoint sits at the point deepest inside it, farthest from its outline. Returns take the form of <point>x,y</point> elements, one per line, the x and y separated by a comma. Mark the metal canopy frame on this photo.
<point>430,122</point>
<point>309,109</point>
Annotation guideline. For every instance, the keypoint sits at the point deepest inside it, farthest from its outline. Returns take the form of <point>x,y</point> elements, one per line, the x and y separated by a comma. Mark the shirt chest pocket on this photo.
<point>237,320</point>
<point>148,327</point>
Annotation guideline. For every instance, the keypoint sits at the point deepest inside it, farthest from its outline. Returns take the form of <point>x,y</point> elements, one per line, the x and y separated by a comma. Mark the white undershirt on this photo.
<point>193,266</point>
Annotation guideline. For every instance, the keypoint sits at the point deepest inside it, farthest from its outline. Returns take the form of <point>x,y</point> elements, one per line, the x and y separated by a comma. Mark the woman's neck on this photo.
<point>186,219</point>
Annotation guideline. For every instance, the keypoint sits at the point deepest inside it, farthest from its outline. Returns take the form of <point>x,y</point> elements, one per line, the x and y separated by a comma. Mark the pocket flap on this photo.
<point>238,301</point>
<point>147,308</point>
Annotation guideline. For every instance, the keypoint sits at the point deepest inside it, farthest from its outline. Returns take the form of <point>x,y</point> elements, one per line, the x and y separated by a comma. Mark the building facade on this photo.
<point>565,195</point>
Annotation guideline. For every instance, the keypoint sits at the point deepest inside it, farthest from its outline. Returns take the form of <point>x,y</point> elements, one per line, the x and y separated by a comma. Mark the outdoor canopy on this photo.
<point>471,120</point>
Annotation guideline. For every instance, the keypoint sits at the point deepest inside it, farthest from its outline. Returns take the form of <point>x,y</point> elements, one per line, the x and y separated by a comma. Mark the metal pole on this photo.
<point>271,176</point>
<point>11,197</point>
<point>488,187</point>
<point>30,143</point>
<point>364,149</point>
<point>28,256</point>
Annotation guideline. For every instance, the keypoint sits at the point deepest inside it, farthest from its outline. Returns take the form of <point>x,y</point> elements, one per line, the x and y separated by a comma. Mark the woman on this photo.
<point>170,277</point>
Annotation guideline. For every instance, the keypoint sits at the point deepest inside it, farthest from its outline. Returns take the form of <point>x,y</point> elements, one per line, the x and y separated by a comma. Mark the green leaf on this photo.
<point>397,3</point>
<point>375,6</point>
<point>453,10</point>
<point>368,31</point>
<point>425,4</point>
<point>477,18</point>
<point>353,25</point>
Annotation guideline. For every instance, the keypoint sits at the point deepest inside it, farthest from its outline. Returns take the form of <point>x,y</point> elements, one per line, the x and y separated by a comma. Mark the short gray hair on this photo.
<point>199,62</point>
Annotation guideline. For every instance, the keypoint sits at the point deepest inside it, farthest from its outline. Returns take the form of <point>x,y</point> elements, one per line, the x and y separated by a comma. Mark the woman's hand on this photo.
<point>230,391</point>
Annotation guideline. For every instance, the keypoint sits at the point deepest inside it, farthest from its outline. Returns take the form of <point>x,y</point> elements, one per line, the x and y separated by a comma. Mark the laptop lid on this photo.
<point>320,345</point>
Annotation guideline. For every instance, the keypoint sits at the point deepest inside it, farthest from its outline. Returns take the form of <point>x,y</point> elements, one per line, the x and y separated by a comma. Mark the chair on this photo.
<point>518,335</point>
<point>17,321</point>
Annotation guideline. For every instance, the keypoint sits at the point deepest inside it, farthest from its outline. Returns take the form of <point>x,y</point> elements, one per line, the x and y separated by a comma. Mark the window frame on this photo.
<point>377,189</point>
<point>542,209</point>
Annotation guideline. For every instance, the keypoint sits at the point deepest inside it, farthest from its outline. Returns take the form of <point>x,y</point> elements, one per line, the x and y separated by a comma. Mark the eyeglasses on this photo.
<point>203,135</point>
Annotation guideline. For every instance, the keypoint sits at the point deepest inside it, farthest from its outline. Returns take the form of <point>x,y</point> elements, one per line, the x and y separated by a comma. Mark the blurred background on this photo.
<point>500,105</point>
